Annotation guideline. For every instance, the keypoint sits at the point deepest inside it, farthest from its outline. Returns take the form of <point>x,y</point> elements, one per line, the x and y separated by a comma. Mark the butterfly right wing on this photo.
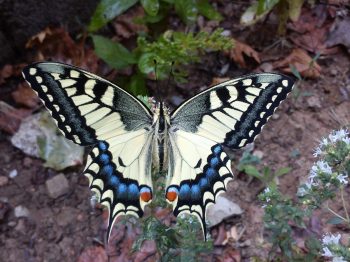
<point>90,110</point>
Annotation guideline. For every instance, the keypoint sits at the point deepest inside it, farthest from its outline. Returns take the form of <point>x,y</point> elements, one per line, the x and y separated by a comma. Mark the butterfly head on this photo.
<point>161,116</point>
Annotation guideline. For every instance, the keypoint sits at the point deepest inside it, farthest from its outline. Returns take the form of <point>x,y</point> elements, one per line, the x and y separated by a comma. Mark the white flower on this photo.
<point>322,166</point>
<point>331,239</point>
<point>318,151</point>
<point>324,142</point>
<point>346,140</point>
<point>326,252</point>
<point>338,259</point>
<point>338,135</point>
<point>302,191</point>
<point>343,179</point>
<point>266,191</point>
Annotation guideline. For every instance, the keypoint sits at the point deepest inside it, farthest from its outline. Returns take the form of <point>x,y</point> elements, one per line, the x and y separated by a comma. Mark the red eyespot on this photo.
<point>171,195</point>
<point>146,196</point>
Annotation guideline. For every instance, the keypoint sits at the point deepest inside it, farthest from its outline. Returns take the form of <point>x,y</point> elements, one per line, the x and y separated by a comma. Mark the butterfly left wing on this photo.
<point>90,110</point>
<point>230,114</point>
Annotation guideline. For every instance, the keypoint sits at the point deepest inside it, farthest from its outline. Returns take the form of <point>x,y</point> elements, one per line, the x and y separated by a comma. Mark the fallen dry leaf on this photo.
<point>8,71</point>
<point>240,50</point>
<point>125,26</point>
<point>148,249</point>
<point>93,254</point>
<point>56,44</point>
<point>340,34</point>
<point>24,95</point>
<point>302,62</point>
<point>218,80</point>
<point>10,117</point>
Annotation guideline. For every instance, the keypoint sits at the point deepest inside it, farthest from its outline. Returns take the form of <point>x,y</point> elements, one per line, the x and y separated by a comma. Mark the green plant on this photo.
<point>286,9</point>
<point>156,10</point>
<point>247,164</point>
<point>327,176</point>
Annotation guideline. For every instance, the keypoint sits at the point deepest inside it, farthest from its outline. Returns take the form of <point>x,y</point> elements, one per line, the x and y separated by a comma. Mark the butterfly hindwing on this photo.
<point>230,114</point>
<point>92,111</point>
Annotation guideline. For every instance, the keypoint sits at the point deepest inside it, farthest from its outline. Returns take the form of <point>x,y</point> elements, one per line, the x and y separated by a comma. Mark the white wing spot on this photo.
<point>240,105</point>
<point>56,107</point>
<point>256,123</point>
<point>32,71</point>
<point>242,142</point>
<point>62,118</point>
<point>90,84</point>
<point>279,90</point>
<point>50,97</point>
<point>251,132</point>
<point>55,76</point>
<point>268,105</point>
<point>215,101</point>
<point>264,85</point>
<point>285,83</point>
<point>68,128</point>
<point>233,93</point>
<point>76,138</point>
<point>108,96</point>
<point>262,114</point>
<point>247,82</point>
<point>67,82</point>
<point>253,90</point>
<point>250,98</point>
<point>39,79</point>
<point>44,88</point>
<point>74,73</point>
<point>274,97</point>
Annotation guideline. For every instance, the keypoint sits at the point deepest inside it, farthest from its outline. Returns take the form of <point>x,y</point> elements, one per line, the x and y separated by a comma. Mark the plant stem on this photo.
<point>344,204</point>
<point>335,213</point>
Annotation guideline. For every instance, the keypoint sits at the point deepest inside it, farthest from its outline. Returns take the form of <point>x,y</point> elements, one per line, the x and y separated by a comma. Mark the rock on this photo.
<point>258,153</point>
<point>334,72</point>
<point>3,180</point>
<point>57,186</point>
<point>13,173</point>
<point>313,102</point>
<point>222,209</point>
<point>21,211</point>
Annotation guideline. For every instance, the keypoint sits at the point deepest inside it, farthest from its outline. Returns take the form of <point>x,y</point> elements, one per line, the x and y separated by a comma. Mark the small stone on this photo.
<point>258,153</point>
<point>12,223</point>
<point>57,186</point>
<point>13,173</point>
<point>222,209</point>
<point>3,180</point>
<point>313,102</point>
<point>334,72</point>
<point>275,116</point>
<point>21,211</point>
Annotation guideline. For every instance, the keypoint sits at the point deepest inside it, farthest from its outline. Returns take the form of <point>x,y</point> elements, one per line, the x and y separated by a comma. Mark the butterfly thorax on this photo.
<point>161,122</point>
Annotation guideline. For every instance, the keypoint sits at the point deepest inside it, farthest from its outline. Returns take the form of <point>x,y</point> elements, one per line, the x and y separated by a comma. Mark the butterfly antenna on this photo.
<point>158,96</point>
<point>171,75</point>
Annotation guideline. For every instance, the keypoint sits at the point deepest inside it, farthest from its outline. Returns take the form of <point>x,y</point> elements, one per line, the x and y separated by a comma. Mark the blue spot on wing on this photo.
<point>195,192</point>
<point>102,146</point>
<point>217,149</point>
<point>107,170</point>
<point>133,191</point>
<point>104,158</point>
<point>122,191</point>
<point>185,191</point>
<point>214,162</point>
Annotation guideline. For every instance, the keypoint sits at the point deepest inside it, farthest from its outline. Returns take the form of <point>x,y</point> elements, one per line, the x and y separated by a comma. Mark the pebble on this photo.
<point>13,173</point>
<point>258,153</point>
<point>3,180</point>
<point>313,102</point>
<point>21,211</point>
<point>334,72</point>
<point>57,186</point>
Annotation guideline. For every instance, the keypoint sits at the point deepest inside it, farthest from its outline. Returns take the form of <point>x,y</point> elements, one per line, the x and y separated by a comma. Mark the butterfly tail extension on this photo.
<point>122,196</point>
<point>193,196</point>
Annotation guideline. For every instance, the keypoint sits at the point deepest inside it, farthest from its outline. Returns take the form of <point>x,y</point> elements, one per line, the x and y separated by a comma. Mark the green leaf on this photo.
<point>295,9</point>
<point>187,10</point>
<point>137,85</point>
<point>295,72</point>
<point>107,10</point>
<point>282,171</point>
<point>146,63</point>
<point>252,171</point>
<point>151,6</point>
<point>335,221</point>
<point>265,6</point>
<point>257,11</point>
<point>113,53</point>
<point>206,9</point>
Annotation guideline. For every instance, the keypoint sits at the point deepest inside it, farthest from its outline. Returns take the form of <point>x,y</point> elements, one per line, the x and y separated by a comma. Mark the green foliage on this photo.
<point>179,48</point>
<point>107,10</point>
<point>156,10</point>
<point>177,243</point>
<point>285,9</point>
<point>247,164</point>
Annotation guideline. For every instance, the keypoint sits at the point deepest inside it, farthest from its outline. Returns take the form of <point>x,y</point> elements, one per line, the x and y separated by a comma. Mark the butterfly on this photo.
<point>128,138</point>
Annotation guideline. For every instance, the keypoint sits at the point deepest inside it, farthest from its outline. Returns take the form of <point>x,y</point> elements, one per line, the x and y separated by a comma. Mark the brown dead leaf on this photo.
<point>218,80</point>
<point>93,254</point>
<point>220,234</point>
<point>8,71</point>
<point>302,62</point>
<point>125,26</point>
<point>56,44</point>
<point>10,117</point>
<point>240,50</point>
<point>230,255</point>
<point>148,249</point>
<point>24,95</point>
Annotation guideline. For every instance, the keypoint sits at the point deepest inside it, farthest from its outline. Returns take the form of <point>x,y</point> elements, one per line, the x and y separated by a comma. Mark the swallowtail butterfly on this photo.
<point>128,138</point>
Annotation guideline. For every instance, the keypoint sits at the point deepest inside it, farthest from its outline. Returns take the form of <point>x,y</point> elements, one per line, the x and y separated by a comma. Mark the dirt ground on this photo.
<point>68,228</point>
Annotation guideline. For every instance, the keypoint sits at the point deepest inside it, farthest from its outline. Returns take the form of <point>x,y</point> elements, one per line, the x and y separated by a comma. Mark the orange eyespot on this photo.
<point>171,196</point>
<point>146,196</point>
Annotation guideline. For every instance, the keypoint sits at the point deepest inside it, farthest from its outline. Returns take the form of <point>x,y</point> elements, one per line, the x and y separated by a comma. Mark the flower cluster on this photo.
<point>332,170</point>
<point>331,248</point>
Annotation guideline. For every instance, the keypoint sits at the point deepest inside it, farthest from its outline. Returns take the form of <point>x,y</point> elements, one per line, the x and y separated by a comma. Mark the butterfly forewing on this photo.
<point>92,111</point>
<point>230,114</point>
